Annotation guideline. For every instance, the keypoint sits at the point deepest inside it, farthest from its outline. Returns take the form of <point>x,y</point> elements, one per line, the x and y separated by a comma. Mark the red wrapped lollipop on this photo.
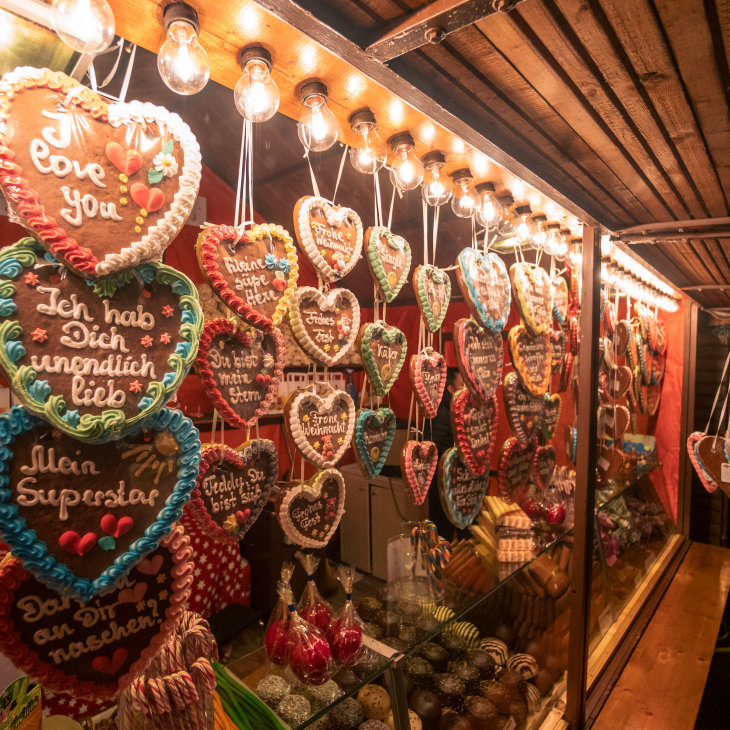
<point>276,636</point>
<point>312,607</point>
<point>345,634</point>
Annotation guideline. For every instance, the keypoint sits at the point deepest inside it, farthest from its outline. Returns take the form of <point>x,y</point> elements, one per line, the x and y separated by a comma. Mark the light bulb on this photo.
<point>489,209</point>
<point>406,171</point>
<point>563,246</point>
<point>464,197</point>
<point>256,94</point>
<point>317,127</point>
<point>540,233</point>
<point>436,187</point>
<point>369,152</point>
<point>553,239</point>
<point>182,62</point>
<point>508,219</point>
<point>574,256</point>
<point>85,25</point>
<point>524,228</point>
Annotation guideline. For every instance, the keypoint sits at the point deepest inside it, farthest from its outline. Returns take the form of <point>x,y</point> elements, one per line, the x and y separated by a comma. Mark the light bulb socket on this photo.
<point>312,88</point>
<point>462,174</point>
<point>553,226</point>
<point>360,118</point>
<point>433,158</point>
<point>485,187</point>
<point>255,53</point>
<point>577,241</point>
<point>401,139</point>
<point>539,217</point>
<point>566,232</point>
<point>180,11</point>
<point>506,200</point>
<point>523,210</point>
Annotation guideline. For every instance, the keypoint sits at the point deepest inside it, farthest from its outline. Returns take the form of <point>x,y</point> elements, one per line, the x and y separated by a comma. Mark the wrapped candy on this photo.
<point>345,634</point>
<point>312,607</point>
<point>276,636</point>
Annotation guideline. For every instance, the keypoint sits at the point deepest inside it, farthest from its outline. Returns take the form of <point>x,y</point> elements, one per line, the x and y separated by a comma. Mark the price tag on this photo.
<point>725,473</point>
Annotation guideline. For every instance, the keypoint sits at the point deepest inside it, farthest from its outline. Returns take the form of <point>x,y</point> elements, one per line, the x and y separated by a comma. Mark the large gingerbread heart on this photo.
<point>531,291</point>
<point>240,370</point>
<point>557,350</point>
<point>621,337</point>
<point>708,454</point>
<point>461,491</point>
<point>531,357</point>
<point>330,236</point>
<point>618,381</point>
<point>610,462</point>
<point>418,462</point>
<point>383,351</point>
<point>428,376</point>
<point>94,361</point>
<point>310,511</point>
<point>613,421</point>
<point>543,465</point>
<point>484,283</point>
<point>374,432</point>
<point>524,410</point>
<point>550,416</point>
<point>389,257</point>
<point>474,423</point>
<point>104,187</point>
<point>324,325</point>
<point>253,272</point>
<point>559,296</point>
<point>515,463</point>
<point>480,356</point>
<point>95,648</point>
<point>80,515</point>
<point>233,486</point>
<point>320,426</point>
<point>432,287</point>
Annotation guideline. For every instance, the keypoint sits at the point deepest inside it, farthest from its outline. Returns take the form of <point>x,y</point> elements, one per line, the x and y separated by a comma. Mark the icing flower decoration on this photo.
<point>268,360</point>
<point>284,265</point>
<point>271,261</point>
<point>166,164</point>
<point>338,261</point>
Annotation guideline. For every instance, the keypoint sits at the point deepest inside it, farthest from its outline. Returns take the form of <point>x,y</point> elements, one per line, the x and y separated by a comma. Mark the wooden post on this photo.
<point>585,481</point>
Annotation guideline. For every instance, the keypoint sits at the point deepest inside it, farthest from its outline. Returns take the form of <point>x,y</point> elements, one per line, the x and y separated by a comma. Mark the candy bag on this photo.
<point>345,633</point>
<point>312,607</point>
<point>276,635</point>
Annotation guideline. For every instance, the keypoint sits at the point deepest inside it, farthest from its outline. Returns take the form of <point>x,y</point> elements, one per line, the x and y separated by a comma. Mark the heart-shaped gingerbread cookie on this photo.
<point>515,463</point>
<point>330,236</point>
<point>104,187</point>
<point>480,357</point>
<point>253,272</point>
<point>708,454</point>
<point>320,426</point>
<point>559,294</point>
<point>557,350</point>
<point>240,369</point>
<point>428,376</point>
<point>94,361</point>
<point>610,462</point>
<point>621,337</point>
<point>618,381</point>
<point>389,257</point>
<point>432,287</point>
<point>550,416</point>
<point>310,511</point>
<point>474,423</point>
<point>484,284</point>
<point>460,490</point>
<point>374,432</point>
<point>531,357</point>
<point>543,465</point>
<point>324,325</point>
<point>531,292</point>
<point>418,462</point>
<point>613,421</point>
<point>383,351</point>
<point>524,410</point>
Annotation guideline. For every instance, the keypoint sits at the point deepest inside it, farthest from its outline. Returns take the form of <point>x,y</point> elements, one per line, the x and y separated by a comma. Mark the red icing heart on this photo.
<point>114,527</point>
<point>74,543</point>
<point>133,595</point>
<point>475,428</point>
<point>105,665</point>
<point>263,380</point>
<point>151,199</point>
<point>133,162</point>
<point>115,153</point>
<point>428,376</point>
<point>242,517</point>
<point>418,461</point>
<point>150,566</point>
<point>279,284</point>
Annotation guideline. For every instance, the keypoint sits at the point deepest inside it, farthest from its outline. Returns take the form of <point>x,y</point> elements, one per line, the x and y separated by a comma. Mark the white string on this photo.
<point>339,173</point>
<point>435,231</point>
<point>717,395</point>
<point>378,201</point>
<point>110,75</point>
<point>425,232</point>
<point>239,184</point>
<point>92,77</point>
<point>390,215</point>
<point>127,74</point>
<point>315,187</point>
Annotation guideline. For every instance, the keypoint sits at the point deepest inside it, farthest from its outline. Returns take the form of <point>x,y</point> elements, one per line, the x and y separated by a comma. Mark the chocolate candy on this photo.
<point>483,661</point>
<point>375,701</point>
<point>467,673</point>
<point>419,670</point>
<point>481,712</point>
<point>435,654</point>
<point>427,706</point>
<point>449,689</point>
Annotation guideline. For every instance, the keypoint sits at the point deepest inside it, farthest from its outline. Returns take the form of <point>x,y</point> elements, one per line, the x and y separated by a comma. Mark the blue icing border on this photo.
<point>361,447</point>
<point>491,323</point>
<point>33,552</point>
<point>447,501</point>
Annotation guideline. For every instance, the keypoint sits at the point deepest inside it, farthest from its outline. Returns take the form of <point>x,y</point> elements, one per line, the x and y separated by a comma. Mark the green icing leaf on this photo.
<point>154,176</point>
<point>167,147</point>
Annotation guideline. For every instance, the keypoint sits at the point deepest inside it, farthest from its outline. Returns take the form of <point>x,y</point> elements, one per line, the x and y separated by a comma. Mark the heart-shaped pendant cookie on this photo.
<point>320,426</point>
<point>233,486</point>
<point>480,356</point>
<point>253,272</point>
<point>658,363</point>
<point>484,284</point>
<point>609,317</point>
<point>610,462</point>
<point>636,343</point>
<point>310,511</point>
<point>524,410</point>
<point>240,370</point>
<point>661,337</point>
<point>557,350</point>
<point>531,292</point>
<point>383,351</point>
<point>566,371</point>
<point>324,325</point>
<point>647,396</point>
<point>389,257</point>
<point>621,337</point>
<point>79,515</point>
<point>550,416</point>
<point>708,454</point>
<point>94,361</point>
<point>374,432</point>
<point>515,463</point>
<point>618,381</point>
<point>97,647</point>
<point>543,465</point>
<point>559,294</point>
<point>330,236</point>
<point>460,490</point>
<point>418,462</point>
<point>474,423</point>
<point>428,376</point>
<point>613,421</point>
<point>432,287</point>
<point>531,357</point>
<point>104,187</point>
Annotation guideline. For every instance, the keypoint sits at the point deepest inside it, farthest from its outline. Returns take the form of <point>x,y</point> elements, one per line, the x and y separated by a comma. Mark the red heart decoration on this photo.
<point>74,543</point>
<point>115,153</point>
<point>480,357</point>
<point>475,428</point>
<point>515,463</point>
<point>524,411</point>
<point>418,462</point>
<point>107,665</point>
<point>133,163</point>
<point>114,527</point>
<point>134,594</point>
<point>242,516</point>
<point>428,376</point>
<point>150,566</point>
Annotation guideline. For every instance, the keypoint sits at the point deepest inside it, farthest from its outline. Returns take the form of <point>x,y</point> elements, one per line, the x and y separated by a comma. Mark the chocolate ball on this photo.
<point>496,693</point>
<point>373,725</point>
<point>455,722</point>
<point>346,678</point>
<point>437,655</point>
<point>483,661</point>
<point>427,706</point>
<point>453,643</point>
<point>481,712</point>
<point>407,633</point>
<point>369,608</point>
<point>513,682</point>
<point>348,714</point>
<point>518,710</point>
<point>449,689</point>
<point>544,681</point>
<point>426,625</point>
<point>413,720</point>
<point>419,670</point>
<point>467,673</point>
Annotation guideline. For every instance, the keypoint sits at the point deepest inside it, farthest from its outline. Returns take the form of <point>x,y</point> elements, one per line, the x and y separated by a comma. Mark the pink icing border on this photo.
<point>406,465</point>
<point>415,367</point>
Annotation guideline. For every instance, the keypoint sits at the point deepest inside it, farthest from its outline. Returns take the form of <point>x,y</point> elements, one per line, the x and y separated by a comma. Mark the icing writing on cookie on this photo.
<point>480,357</point>
<point>432,287</point>
<point>484,283</point>
<point>383,351</point>
<point>389,257</point>
<point>374,432</point>
<point>460,490</point>
<point>419,460</point>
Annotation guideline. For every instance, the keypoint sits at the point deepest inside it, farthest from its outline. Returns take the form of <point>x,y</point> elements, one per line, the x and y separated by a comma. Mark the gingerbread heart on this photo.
<point>515,463</point>
<point>389,257</point>
<point>253,272</point>
<point>240,370</point>
<point>524,410</point>
<point>104,187</point>
<point>97,647</point>
<point>374,433</point>
<point>566,371</point>
<point>418,462</point>
<point>543,465</point>
<point>531,292</point>
<point>383,351</point>
<point>613,421</point>
<point>480,357</point>
<point>609,317</point>
<point>321,427</point>
<point>610,462</point>
<point>428,376</point>
<point>636,342</point>
<point>310,511</point>
<point>708,454</point>
<point>460,490</point>
<point>324,325</point>
<point>550,416</point>
<point>233,486</point>
<point>618,381</point>
<point>648,397</point>
<point>557,350</point>
<point>658,363</point>
<point>433,292</point>
<point>329,235</point>
<point>621,337</point>
<point>94,361</point>
<point>645,363</point>
<point>474,423</point>
<point>531,357</point>
<point>484,284</point>
<point>80,515</point>
<point>661,337</point>
<point>559,295</point>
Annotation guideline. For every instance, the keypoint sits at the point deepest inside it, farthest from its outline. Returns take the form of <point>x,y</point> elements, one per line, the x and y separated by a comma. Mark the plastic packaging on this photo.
<point>345,634</point>
<point>276,636</point>
<point>312,607</point>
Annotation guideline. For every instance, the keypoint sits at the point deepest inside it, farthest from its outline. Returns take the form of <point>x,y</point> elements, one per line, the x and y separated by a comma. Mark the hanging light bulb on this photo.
<point>85,25</point>
<point>553,239</point>
<point>525,228</point>
<point>406,171</point>
<point>540,234</point>
<point>564,246</point>
<point>436,187</point>
<point>489,209</point>
<point>182,62</point>
<point>574,256</point>
<point>464,197</point>
<point>317,127</point>
<point>256,94</point>
<point>508,220</point>
<point>369,152</point>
